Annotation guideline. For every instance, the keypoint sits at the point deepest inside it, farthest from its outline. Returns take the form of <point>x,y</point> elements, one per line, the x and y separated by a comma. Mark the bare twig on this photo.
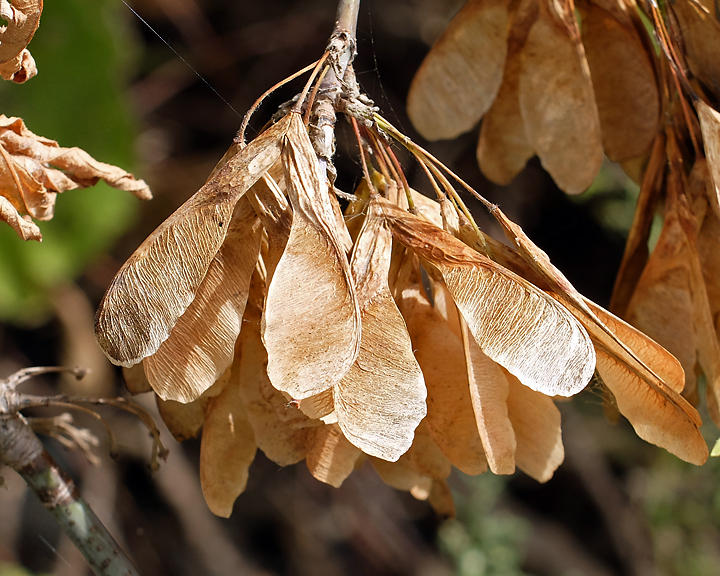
<point>21,450</point>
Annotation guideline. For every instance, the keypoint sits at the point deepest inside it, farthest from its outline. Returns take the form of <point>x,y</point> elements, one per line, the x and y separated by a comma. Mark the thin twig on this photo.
<point>22,450</point>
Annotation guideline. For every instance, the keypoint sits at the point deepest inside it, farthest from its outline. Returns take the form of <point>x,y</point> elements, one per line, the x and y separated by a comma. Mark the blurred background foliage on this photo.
<point>78,99</point>
<point>110,86</point>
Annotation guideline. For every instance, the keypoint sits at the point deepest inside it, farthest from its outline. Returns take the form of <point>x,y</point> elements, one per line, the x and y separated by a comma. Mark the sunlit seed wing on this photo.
<point>623,79</point>
<point>514,323</point>
<point>663,418</point>
<point>331,458</point>
<point>536,422</point>
<point>226,451</point>
<point>460,77</point>
<point>503,148</point>
<point>489,389</point>
<point>184,421</point>
<point>381,400</point>
<point>657,358</point>
<point>557,100</point>
<point>158,282</point>
<point>282,432</point>
<point>311,323</point>
<point>274,212</point>
<point>439,351</point>
<point>426,457</point>
<point>200,346</point>
<point>544,274</point>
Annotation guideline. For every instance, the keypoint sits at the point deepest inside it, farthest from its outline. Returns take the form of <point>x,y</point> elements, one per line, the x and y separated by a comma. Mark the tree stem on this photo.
<point>347,15</point>
<point>21,449</point>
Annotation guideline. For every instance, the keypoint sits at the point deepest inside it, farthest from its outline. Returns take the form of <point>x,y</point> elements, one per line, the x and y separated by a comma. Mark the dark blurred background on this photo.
<point>110,85</point>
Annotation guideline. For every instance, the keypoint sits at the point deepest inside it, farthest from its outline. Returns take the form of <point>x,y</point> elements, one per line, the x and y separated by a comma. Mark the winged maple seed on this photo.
<point>400,333</point>
<point>22,18</point>
<point>34,169</point>
<point>542,86</point>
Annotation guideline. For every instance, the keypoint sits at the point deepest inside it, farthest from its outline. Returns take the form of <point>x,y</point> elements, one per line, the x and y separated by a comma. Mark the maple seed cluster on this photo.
<point>398,333</point>
<point>566,80</point>
<point>570,80</point>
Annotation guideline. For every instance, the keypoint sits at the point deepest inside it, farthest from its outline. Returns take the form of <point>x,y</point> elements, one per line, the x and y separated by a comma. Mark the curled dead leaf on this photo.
<point>34,169</point>
<point>22,18</point>
<point>25,228</point>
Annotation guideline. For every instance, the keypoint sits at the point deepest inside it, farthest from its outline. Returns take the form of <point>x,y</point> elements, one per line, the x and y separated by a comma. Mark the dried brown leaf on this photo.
<point>159,281</point>
<point>226,451</point>
<point>25,228</point>
<point>439,351</point>
<point>200,346</point>
<point>17,140</point>
<point>623,77</point>
<point>331,458</point>
<point>536,422</point>
<point>311,323</point>
<point>489,389</point>
<point>21,20</point>
<point>557,100</point>
<point>459,78</point>
<point>19,69</point>
<point>513,322</point>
